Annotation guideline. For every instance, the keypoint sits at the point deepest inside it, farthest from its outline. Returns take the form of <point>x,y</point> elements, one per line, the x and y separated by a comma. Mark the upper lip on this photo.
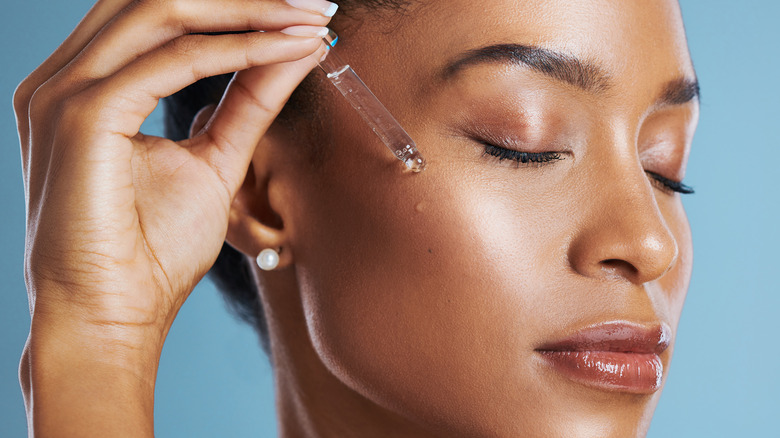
<point>615,336</point>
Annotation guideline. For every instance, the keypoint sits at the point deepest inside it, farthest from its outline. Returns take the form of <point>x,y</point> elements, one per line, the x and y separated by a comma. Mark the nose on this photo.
<point>624,234</point>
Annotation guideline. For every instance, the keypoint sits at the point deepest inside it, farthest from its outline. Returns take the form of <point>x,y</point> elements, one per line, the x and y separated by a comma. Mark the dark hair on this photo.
<point>231,272</point>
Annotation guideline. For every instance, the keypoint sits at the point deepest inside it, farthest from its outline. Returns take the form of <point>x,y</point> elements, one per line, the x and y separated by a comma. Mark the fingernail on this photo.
<point>330,42</point>
<point>332,38</point>
<point>324,7</point>
<point>306,31</point>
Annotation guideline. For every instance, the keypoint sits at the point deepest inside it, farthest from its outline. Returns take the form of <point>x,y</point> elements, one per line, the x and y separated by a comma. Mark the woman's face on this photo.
<point>451,296</point>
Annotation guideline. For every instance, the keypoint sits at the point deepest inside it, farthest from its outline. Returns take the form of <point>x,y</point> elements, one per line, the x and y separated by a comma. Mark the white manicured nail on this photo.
<point>324,7</point>
<point>306,31</point>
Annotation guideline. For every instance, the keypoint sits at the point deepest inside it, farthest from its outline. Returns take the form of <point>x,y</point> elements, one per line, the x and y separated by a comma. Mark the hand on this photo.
<point>121,225</point>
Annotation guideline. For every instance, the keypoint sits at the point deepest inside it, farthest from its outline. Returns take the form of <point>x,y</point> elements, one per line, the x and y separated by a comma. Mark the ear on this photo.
<point>253,224</point>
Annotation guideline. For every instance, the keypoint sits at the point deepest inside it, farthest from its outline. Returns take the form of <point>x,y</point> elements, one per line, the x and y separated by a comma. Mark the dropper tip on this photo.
<point>415,163</point>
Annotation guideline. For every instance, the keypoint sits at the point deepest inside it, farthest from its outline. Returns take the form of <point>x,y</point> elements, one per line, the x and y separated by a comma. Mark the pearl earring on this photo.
<point>268,259</point>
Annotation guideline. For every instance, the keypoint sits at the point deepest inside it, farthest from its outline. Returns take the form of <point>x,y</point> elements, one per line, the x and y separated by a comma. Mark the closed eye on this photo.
<point>541,158</point>
<point>520,158</point>
<point>668,185</point>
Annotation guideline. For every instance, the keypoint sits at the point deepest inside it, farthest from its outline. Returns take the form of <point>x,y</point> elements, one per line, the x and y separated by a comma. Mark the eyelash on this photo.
<point>668,185</point>
<point>524,158</point>
<point>541,158</point>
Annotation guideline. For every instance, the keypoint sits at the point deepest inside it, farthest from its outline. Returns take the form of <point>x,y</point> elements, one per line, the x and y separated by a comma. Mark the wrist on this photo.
<point>100,319</point>
<point>59,341</point>
<point>89,380</point>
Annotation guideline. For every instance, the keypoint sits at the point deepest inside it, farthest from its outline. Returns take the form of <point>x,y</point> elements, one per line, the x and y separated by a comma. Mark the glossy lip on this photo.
<point>613,356</point>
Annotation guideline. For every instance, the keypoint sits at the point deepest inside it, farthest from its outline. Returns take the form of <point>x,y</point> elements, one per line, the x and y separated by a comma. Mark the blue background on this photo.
<point>725,377</point>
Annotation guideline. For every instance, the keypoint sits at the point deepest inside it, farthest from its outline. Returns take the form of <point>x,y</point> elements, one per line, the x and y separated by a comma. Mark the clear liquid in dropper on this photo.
<point>372,111</point>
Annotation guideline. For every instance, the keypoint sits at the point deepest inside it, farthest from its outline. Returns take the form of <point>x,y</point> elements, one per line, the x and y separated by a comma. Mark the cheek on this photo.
<point>419,296</point>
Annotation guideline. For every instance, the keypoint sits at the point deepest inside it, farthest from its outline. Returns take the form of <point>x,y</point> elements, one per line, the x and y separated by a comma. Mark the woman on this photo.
<point>528,282</point>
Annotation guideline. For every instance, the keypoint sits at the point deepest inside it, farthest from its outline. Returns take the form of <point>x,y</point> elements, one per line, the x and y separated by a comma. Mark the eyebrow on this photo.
<point>565,68</point>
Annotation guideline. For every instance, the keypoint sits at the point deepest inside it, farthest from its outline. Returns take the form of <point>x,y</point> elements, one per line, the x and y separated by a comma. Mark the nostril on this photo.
<point>635,245</point>
<point>619,268</point>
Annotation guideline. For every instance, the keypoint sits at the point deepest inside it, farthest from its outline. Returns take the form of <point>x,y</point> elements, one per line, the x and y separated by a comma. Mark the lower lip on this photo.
<point>639,373</point>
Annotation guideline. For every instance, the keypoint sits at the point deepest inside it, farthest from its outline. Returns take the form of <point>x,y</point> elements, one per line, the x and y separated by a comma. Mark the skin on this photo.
<point>404,304</point>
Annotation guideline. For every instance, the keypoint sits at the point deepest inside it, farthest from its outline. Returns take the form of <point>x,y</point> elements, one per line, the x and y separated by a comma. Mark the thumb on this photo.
<point>251,102</point>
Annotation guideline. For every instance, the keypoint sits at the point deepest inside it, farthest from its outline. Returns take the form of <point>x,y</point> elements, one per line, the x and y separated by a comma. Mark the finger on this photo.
<point>90,25</point>
<point>116,32</point>
<point>251,102</point>
<point>147,25</point>
<point>123,101</point>
<point>92,22</point>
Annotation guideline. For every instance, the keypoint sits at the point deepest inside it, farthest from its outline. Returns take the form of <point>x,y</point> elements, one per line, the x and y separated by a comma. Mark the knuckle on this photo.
<point>55,94</point>
<point>41,101</point>
<point>22,95</point>
<point>32,97</point>
<point>21,99</point>
<point>186,46</point>
<point>252,51</point>
<point>268,109</point>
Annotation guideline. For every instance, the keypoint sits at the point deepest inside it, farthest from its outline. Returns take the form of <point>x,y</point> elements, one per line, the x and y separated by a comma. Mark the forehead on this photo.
<point>641,40</point>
